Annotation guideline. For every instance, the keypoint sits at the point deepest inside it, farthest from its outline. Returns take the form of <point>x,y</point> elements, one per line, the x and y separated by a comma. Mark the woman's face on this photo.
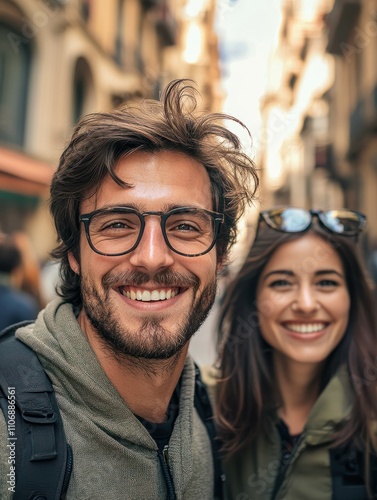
<point>303,300</point>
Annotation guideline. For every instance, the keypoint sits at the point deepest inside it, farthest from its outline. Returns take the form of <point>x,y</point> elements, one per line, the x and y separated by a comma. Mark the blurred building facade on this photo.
<point>319,145</point>
<point>295,111</point>
<point>352,40</point>
<point>61,59</point>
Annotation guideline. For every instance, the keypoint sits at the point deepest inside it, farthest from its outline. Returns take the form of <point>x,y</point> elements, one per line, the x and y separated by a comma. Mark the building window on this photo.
<point>85,10</point>
<point>14,81</point>
<point>119,39</point>
<point>82,90</point>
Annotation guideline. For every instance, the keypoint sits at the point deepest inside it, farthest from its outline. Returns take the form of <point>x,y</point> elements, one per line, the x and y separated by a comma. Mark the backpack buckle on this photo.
<point>39,416</point>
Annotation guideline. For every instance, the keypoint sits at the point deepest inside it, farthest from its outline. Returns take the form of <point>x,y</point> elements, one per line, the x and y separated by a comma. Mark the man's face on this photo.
<point>149,302</point>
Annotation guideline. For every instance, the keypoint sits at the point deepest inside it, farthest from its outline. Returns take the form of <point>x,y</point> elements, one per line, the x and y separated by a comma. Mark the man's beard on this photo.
<point>151,340</point>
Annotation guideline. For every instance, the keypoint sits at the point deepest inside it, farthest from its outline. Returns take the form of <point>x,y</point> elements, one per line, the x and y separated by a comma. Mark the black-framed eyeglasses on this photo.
<point>118,230</point>
<point>296,220</point>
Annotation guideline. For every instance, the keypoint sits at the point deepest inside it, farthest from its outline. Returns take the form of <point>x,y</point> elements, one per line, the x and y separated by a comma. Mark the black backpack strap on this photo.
<point>36,439</point>
<point>348,473</point>
<point>203,407</point>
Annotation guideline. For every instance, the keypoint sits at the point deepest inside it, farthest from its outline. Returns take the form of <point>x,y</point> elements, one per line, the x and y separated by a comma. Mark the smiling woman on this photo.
<point>298,331</point>
<point>310,308</point>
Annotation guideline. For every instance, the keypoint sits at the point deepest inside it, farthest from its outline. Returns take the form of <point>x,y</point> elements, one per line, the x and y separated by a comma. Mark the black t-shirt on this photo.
<point>288,441</point>
<point>161,432</point>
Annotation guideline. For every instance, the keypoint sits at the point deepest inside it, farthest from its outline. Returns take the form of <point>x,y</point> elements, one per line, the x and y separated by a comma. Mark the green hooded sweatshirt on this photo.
<point>114,456</point>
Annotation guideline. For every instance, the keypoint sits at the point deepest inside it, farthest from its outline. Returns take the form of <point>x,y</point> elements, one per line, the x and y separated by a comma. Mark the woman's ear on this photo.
<point>75,266</point>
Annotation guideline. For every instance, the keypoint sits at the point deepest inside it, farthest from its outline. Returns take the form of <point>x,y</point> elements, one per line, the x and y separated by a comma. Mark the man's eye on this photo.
<point>186,226</point>
<point>115,225</point>
<point>181,224</point>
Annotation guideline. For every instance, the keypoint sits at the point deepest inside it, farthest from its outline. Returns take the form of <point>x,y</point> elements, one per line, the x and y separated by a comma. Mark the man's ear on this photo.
<point>75,266</point>
<point>220,265</point>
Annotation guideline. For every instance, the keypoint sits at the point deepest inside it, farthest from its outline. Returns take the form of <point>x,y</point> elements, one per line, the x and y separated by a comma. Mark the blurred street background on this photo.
<point>301,74</point>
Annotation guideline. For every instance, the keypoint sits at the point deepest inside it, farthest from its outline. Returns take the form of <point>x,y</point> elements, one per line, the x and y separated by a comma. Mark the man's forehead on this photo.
<point>154,182</point>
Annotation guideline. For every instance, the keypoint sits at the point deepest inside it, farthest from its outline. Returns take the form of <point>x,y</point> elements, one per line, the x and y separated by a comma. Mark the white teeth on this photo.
<point>148,296</point>
<point>306,328</point>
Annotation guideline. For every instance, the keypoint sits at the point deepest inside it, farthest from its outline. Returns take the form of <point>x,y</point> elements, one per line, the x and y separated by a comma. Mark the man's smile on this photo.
<point>143,295</point>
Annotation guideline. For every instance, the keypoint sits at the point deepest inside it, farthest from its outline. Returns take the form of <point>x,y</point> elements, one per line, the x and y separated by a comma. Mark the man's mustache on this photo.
<point>163,278</point>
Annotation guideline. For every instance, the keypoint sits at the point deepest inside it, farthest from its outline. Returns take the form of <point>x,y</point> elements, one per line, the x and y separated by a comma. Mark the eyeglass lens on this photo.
<point>341,221</point>
<point>290,220</point>
<point>293,220</point>
<point>188,232</point>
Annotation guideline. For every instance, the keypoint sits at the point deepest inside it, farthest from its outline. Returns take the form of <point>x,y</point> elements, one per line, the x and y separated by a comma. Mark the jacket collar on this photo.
<point>331,409</point>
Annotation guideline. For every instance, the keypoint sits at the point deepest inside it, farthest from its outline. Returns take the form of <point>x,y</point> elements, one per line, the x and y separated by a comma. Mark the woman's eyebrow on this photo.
<point>329,271</point>
<point>285,272</point>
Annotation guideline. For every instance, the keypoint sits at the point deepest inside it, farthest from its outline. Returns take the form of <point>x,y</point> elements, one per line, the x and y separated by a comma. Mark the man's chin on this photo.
<point>148,341</point>
<point>145,337</point>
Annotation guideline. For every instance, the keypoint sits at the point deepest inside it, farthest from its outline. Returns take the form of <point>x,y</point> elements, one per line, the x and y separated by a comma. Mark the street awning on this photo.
<point>23,174</point>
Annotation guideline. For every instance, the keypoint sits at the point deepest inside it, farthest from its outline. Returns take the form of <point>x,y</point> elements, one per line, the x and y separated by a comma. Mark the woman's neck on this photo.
<point>299,387</point>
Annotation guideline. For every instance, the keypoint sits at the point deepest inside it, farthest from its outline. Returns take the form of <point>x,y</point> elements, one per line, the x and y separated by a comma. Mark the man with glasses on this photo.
<point>145,202</point>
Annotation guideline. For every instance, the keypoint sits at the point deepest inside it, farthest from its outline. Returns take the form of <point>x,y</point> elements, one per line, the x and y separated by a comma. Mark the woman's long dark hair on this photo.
<point>246,391</point>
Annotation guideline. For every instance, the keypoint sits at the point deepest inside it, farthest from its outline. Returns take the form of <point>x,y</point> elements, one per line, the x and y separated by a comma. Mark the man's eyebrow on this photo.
<point>167,208</point>
<point>140,208</point>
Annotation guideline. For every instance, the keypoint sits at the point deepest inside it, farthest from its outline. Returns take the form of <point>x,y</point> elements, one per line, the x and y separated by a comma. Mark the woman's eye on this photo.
<point>280,283</point>
<point>328,283</point>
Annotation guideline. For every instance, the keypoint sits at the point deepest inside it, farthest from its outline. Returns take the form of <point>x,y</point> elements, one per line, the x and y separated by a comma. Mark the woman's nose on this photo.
<point>306,300</point>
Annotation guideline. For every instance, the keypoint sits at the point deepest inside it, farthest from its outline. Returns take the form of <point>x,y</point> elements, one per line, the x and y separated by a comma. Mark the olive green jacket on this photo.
<point>252,474</point>
<point>114,456</point>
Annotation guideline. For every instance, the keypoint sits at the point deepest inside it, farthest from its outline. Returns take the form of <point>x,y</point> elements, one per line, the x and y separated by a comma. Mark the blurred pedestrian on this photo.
<point>15,305</point>
<point>372,265</point>
<point>29,275</point>
<point>297,390</point>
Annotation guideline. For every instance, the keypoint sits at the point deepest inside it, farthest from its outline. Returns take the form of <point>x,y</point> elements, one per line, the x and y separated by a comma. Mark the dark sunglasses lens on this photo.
<point>290,220</point>
<point>344,222</point>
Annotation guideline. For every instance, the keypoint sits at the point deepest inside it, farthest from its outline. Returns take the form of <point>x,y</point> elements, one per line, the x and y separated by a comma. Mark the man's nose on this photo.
<point>152,252</point>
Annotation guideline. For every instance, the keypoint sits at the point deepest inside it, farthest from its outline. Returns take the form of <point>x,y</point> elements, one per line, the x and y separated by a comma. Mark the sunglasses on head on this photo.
<point>296,220</point>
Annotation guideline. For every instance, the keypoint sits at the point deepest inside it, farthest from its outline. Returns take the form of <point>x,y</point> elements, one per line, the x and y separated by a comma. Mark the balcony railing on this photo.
<point>150,4</point>
<point>357,127</point>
